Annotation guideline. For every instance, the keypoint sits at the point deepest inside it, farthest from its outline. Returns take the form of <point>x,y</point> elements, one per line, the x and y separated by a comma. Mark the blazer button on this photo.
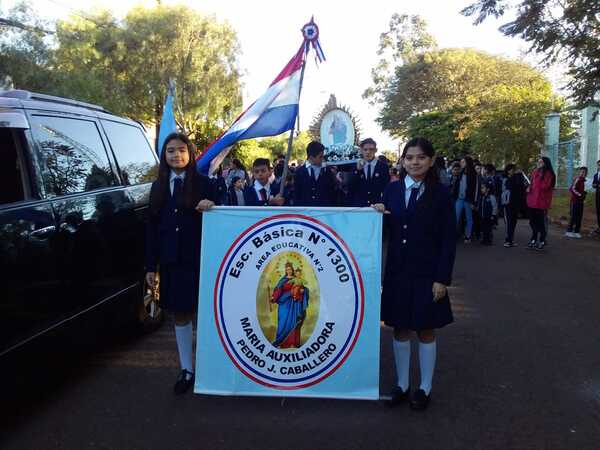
<point>177,229</point>
<point>405,227</point>
<point>404,241</point>
<point>175,210</point>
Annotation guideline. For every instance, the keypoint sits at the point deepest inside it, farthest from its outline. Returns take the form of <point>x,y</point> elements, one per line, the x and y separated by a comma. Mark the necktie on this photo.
<point>368,172</point>
<point>412,201</point>
<point>263,194</point>
<point>312,174</point>
<point>177,187</point>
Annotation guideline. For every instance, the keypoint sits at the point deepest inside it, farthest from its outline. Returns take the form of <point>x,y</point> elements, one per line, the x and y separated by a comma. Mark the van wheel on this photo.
<point>150,316</point>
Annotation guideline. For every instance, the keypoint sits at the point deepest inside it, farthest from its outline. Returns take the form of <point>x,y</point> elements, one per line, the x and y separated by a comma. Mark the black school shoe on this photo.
<point>184,381</point>
<point>397,396</point>
<point>419,400</point>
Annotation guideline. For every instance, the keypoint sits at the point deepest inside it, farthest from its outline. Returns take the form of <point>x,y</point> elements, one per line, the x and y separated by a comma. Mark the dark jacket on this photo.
<point>252,198</point>
<point>307,192</point>
<point>363,192</point>
<point>422,245</point>
<point>487,207</point>
<point>173,234</point>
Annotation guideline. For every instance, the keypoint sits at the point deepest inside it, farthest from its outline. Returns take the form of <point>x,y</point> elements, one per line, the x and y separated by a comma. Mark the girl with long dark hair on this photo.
<point>467,192</point>
<point>177,198</point>
<point>421,254</point>
<point>539,200</point>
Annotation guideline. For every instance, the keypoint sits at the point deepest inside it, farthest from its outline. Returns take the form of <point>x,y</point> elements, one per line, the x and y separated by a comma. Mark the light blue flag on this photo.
<point>167,123</point>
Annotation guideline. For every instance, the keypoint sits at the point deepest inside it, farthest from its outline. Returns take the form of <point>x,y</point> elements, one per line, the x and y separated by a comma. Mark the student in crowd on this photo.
<point>177,198</point>
<point>509,200</point>
<point>219,186</point>
<point>236,169</point>
<point>577,191</point>
<point>539,200</point>
<point>369,180</point>
<point>235,193</point>
<point>596,186</point>
<point>262,192</point>
<point>442,172</point>
<point>488,211</point>
<point>468,187</point>
<point>421,255</point>
<point>314,183</point>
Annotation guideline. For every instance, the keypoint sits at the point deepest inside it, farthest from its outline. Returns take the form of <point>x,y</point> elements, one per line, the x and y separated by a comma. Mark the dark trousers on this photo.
<point>486,226</point>
<point>537,222</point>
<point>576,216</point>
<point>510,220</point>
<point>598,207</point>
<point>476,225</point>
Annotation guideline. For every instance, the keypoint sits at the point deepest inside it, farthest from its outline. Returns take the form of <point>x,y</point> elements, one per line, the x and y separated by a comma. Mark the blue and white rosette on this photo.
<point>310,32</point>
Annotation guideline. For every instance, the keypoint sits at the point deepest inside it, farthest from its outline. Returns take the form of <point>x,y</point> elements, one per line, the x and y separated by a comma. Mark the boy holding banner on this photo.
<point>262,192</point>
<point>314,183</point>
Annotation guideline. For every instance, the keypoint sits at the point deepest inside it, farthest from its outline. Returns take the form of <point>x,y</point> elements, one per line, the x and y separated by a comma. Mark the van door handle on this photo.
<point>42,233</point>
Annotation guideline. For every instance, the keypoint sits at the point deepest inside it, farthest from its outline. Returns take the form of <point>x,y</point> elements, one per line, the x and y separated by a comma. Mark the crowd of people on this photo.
<point>427,205</point>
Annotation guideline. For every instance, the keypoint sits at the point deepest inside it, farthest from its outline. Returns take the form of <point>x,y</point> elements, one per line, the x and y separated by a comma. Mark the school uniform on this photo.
<point>421,251</point>
<point>314,186</point>
<point>487,209</point>
<point>596,186</point>
<point>366,185</point>
<point>578,194</point>
<point>259,195</point>
<point>235,197</point>
<point>173,241</point>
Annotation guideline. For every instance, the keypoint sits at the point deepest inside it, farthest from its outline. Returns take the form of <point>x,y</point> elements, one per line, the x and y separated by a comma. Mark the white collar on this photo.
<point>409,183</point>
<point>371,163</point>
<point>258,186</point>
<point>308,165</point>
<point>174,175</point>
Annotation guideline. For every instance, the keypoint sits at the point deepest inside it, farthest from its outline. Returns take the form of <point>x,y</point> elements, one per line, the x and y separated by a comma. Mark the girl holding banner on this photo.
<point>421,254</point>
<point>177,198</point>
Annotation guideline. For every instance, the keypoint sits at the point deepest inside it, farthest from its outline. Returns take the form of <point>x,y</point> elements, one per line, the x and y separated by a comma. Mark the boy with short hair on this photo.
<point>370,178</point>
<point>314,183</point>
<point>578,194</point>
<point>262,192</point>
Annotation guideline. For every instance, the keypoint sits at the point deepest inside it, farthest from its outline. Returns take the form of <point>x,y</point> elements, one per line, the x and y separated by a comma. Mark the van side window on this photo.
<point>11,173</point>
<point>133,152</point>
<point>73,156</point>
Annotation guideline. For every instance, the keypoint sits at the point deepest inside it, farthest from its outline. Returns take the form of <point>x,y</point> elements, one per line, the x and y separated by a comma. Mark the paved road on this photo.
<point>519,369</point>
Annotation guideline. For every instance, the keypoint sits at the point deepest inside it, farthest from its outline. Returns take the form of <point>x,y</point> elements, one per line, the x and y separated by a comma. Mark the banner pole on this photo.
<point>291,138</point>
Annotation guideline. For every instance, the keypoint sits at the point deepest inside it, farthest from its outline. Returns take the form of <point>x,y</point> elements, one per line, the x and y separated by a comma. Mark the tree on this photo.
<point>446,130</point>
<point>126,65</point>
<point>567,31</point>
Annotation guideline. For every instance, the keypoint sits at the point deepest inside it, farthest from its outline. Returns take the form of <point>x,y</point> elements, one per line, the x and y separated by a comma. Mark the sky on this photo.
<point>269,34</point>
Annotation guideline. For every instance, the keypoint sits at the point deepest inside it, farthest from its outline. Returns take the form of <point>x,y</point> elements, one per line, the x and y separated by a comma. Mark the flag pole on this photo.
<point>291,138</point>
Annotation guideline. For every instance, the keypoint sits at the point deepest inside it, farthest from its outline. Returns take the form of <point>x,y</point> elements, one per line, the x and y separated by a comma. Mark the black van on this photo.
<point>74,186</point>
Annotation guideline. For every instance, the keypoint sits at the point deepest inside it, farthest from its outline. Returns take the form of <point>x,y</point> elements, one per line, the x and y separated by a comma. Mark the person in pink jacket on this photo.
<point>539,199</point>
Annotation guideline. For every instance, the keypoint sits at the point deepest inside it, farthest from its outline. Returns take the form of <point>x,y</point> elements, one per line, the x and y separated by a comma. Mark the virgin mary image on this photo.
<point>291,296</point>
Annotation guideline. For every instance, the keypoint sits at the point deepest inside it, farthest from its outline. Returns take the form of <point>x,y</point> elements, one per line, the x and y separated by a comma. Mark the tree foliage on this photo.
<point>464,100</point>
<point>561,30</point>
<point>247,151</point>
<point>125,65</point>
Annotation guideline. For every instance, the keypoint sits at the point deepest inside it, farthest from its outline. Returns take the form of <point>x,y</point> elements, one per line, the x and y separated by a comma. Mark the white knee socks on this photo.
<point>185,336</point>
<point>402,358</point>
<point>427,363</point>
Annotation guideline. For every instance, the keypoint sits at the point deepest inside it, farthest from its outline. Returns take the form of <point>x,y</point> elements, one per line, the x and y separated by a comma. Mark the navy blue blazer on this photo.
<point>252,198</point>
<point>173,235</point>
<point>422,245</point>
<point>307,192</point>
<point>366,193</point>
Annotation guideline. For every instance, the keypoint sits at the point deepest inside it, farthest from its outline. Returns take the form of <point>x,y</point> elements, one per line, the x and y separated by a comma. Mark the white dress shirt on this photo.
<point>371,163</point>
<point>316,169</point>
<point>172,179</point>
<point>408,184</point>
<point>258,187</point>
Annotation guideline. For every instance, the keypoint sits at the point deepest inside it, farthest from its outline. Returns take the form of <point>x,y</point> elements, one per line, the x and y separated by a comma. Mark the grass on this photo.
<point>560,210</point>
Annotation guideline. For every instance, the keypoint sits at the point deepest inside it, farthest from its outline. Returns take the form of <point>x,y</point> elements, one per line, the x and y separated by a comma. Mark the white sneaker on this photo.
<point>576,235</point>
<point>569,234</point>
